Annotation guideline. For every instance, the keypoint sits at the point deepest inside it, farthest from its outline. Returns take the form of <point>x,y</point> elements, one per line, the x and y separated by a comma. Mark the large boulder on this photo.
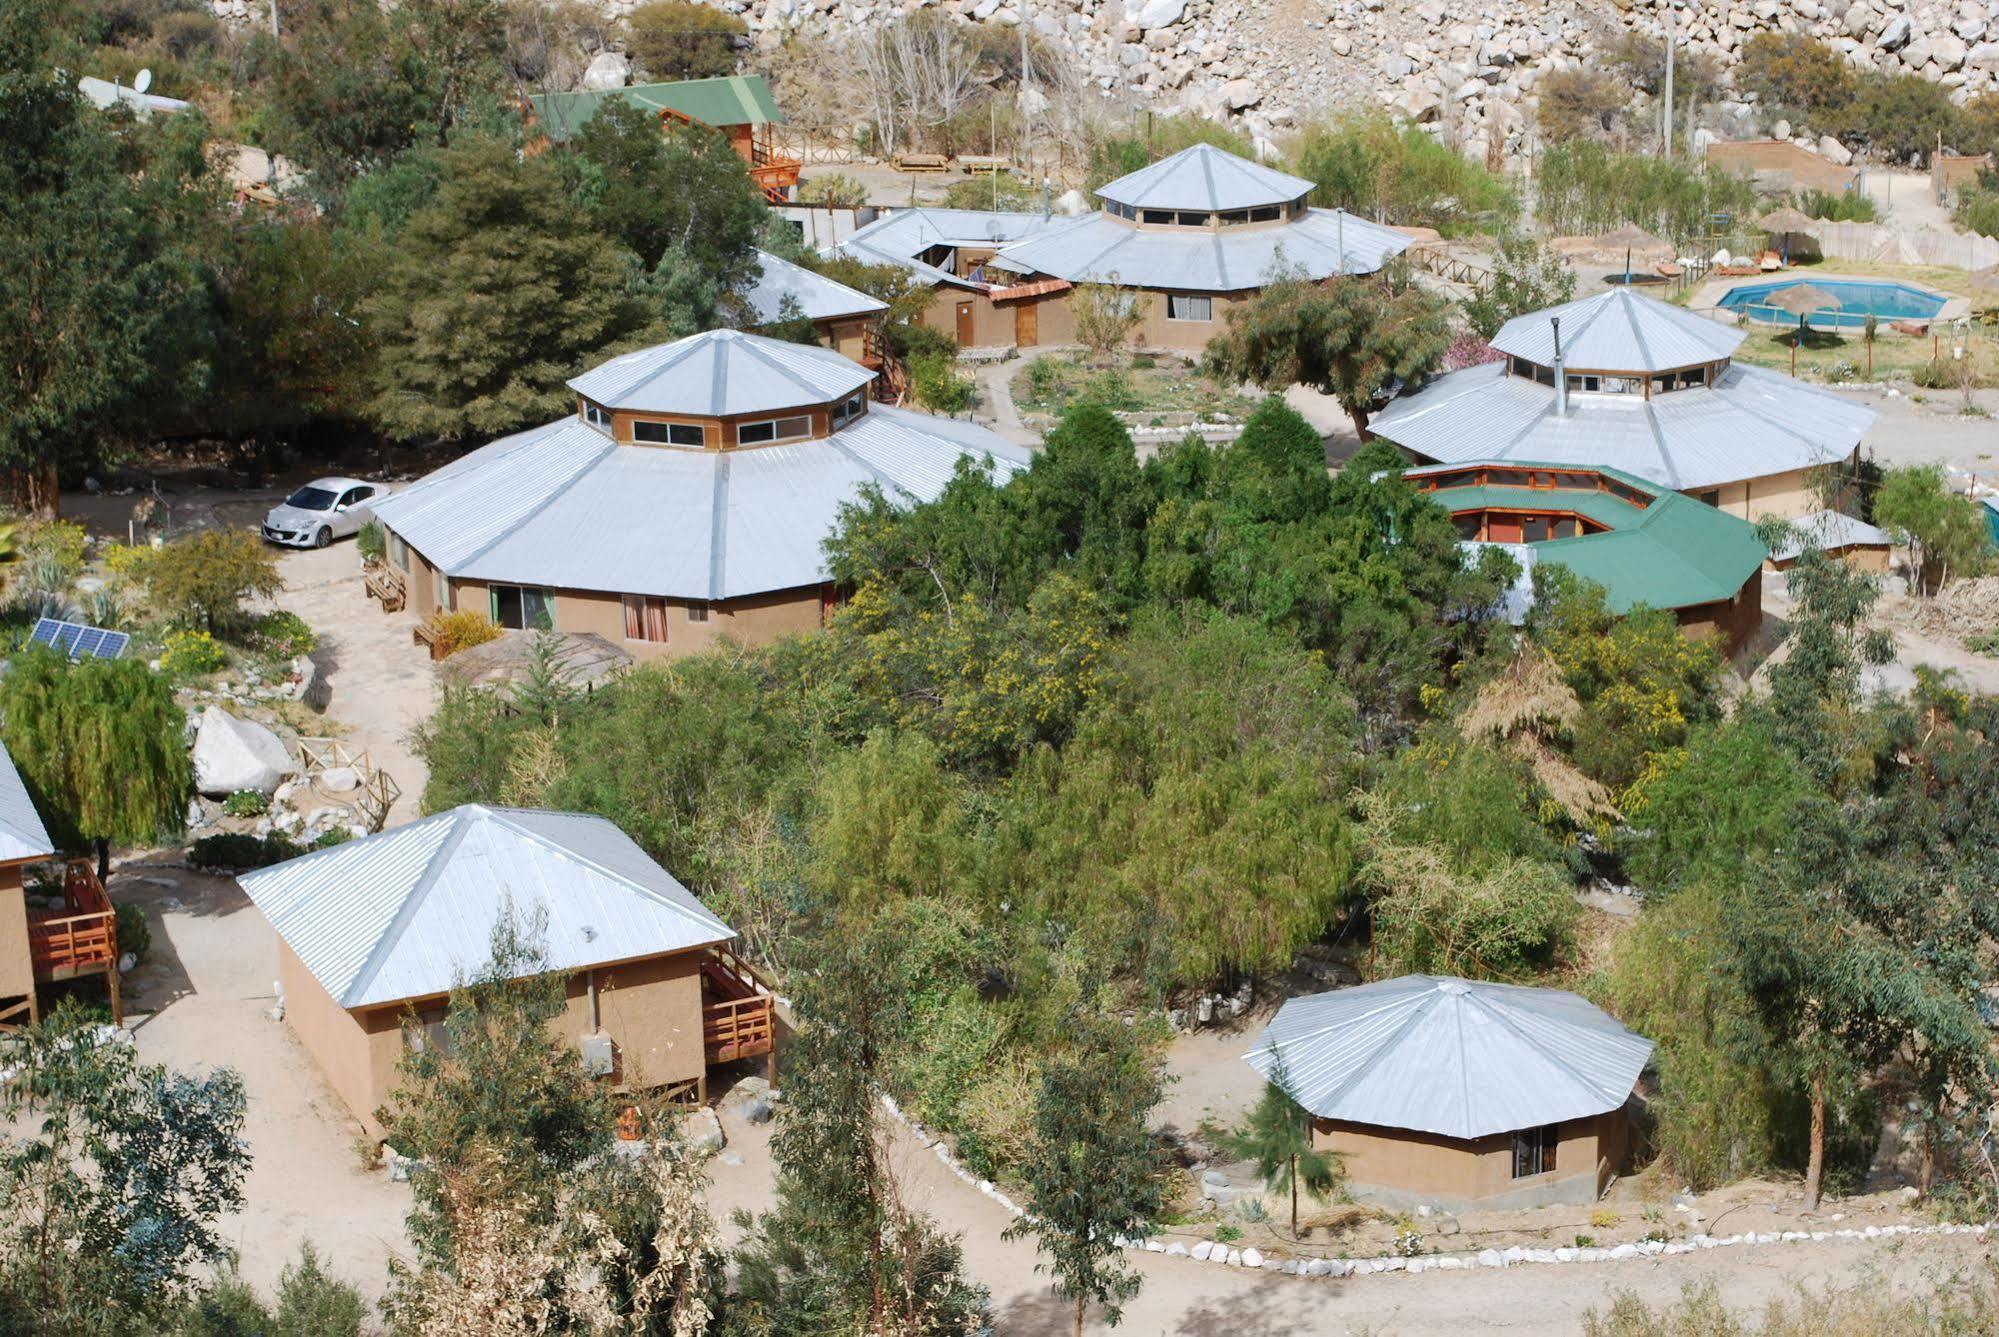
<point>1161,13</point>
<point>232,754</point>
<point>609,70</point>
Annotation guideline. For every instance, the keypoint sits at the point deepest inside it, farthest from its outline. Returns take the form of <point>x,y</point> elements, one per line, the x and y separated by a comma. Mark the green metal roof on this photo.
<point>737,99</point>
<point>1673,553</point>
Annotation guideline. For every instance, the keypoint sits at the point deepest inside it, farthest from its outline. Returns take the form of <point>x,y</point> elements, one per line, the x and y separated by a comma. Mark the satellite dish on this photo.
<point>143,82</point>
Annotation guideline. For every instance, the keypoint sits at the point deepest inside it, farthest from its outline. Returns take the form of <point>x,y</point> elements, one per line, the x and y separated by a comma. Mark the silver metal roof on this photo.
<point>1457,1058</point>
<point>22,835</point>
<point>1204,178</point>
<point>817,297</point>
<point>1751,424</point>
<point>722,372</point>
<point>410,912</point>
<point>1618,330</point>
<point>1828,531</point>
<point>1097,248</point>
<point>564,506</point>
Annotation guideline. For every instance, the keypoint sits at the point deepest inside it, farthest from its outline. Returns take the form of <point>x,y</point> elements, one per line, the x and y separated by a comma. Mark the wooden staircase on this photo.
<point>738,1009</point>
<point>75,939</point>
<point>891,383</point>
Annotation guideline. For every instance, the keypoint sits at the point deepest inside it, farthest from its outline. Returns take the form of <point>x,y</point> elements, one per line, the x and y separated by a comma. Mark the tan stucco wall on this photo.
<point>994,325</point>
<point>1734,622</point>
<point>17,967</point>
<point>1789,494</point>
<point>651,1008</point>
<point>1397,1168</point>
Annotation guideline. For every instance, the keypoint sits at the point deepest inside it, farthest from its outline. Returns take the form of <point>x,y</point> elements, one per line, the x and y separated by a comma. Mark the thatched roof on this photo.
<point>578,659</point>
<point>1637,240</point>
<point>1787,219</point>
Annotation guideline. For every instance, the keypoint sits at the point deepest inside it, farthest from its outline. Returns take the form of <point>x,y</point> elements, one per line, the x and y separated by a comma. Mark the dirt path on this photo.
<point>381,686</point>
<point>996,406</point>
<point>202,999</point>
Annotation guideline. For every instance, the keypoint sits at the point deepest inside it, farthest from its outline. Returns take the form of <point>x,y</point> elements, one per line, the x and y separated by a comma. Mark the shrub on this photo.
<point>998,190</point>
<point>1603,1218</point>
<point>1368,164</point>
<point>246,803</point>
<point>135,931</point>
<point>936,384</point>
<point>1580,102</point>
<point>1847,206</point>
<point>836,190</point>
<point>1584,187</point>
<point>229,851</point>
<point>189,654</point>
<point>333,835</point>
<point>1796,73</point>
<point>202,580</point>
<point>285,634</point>
<point>678,39</point>
<point>461,631</point>
<point>371,542</point>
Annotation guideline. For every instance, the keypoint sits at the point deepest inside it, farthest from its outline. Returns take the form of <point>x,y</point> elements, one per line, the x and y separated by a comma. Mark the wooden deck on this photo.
<point>738,1009</point>
<point>80,937</point>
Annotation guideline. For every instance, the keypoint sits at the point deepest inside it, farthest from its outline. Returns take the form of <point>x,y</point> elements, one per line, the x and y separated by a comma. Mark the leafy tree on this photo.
<point>678,39</point>
<point>1580,102</point>
<point>1094,1177</point>
<point>499,292</point>
<point>1355,339</point>
<point>1526,276</point>
<point>311,1302</point>
<point>686,191</point>
<point>1277,1136</point>
<point>100,298</point>
<point>201,580</point>
<point>1815,692</point>
<point>1797,73</point>
<point>1725,797</point>
<point>1901,116</point>
<point>115,1178</point>
<point>996,191</point>
<point>834,190</point>
<point>1639,59</point>
<point>1583,186</point>
<point>349,94</point>
<point>1114,156</point>
<point>99,744</point>
<point>1946,530</point>
<point>1398,173</point>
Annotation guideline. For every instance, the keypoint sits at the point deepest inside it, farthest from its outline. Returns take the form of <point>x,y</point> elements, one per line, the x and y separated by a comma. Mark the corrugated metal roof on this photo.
<point>1205,178</point>
<point>1619,330</point>
<point>817,297</point>
<point>410,912</point>
<point>1829,531</point>
<point>898,238</point>
<point>736,99</point>
<point>722,372</point>
<point>688,524</point>
<point>1098,248</point>
<point>1753,423</point>
<point>1457,1058</point>
<point>22,835</point>
<point>1673,553</point>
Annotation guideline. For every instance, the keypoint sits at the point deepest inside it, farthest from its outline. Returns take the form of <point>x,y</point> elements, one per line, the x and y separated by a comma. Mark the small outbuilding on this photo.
<point>373,936</point>
<point>1458,1093</point>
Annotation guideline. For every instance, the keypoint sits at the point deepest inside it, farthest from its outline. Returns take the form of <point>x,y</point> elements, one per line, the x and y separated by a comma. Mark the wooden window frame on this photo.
<point>1534,1149</point>
<point>775,424</point>
<point>1173,299</point>
<point>645,614</point>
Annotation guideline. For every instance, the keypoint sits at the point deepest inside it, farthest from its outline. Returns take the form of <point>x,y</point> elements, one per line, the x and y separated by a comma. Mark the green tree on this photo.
<point>1580,102</point>
<point>1814,701</point>
<point>99,744</point>
<point>1397,172</point>
<point>100,297</point>
<point>311,1302</point>
<point>1094,1178</point>
<point>1946,529</point>
<point>1106,313</point>
<point>348,95</point>
<point>687,191</point>
<point>1277,1137</point>
<point>500,291</point>
<point>115,1177</point>
<point>678,39</point>
<point>1797,73</point>
<point>1526,276</point>
<point>202,580</point>
<point>1352,338</point>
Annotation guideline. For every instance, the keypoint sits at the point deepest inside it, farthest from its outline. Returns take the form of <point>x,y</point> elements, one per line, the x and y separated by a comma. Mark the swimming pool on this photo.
<point>1886,301</point>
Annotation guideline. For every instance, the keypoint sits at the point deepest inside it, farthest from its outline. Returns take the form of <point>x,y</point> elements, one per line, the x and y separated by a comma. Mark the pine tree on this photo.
<point>1278,1138</point>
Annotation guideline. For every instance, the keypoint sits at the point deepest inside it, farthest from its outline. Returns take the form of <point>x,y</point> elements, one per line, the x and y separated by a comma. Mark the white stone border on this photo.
<point>1512,1256</point>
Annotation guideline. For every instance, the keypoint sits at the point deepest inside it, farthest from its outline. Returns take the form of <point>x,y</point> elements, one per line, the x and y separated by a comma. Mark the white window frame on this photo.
<point>851,408</point>
<point>1173,300</point>
<point>803,420</point>
<point>597,417</point>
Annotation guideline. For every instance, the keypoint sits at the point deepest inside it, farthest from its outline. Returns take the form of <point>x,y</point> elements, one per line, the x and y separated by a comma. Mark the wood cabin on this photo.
<point>738,105</point>
<point>372,936</point>
<point>61,928</point>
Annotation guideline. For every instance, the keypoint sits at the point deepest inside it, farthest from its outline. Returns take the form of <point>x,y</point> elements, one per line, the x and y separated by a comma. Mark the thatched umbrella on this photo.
<point>1803,300</point>
<point>577,660</point>
<point>1634,242</point>
<point>1786,223</point>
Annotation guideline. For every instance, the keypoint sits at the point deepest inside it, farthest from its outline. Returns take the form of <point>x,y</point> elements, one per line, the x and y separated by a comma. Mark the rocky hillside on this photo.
<point>1472,66</point>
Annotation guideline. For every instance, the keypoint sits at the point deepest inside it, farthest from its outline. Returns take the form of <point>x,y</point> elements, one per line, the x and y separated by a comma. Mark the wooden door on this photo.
<point>964,324</point>
<point>1027,324</point>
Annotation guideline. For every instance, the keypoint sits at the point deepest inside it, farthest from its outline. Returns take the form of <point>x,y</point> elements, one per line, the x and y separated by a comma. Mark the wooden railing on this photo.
<point>738,1028</point>
<point>891,378</point>
<point>81,938</point>
<point>378,790</point>
<point>1449,268</point>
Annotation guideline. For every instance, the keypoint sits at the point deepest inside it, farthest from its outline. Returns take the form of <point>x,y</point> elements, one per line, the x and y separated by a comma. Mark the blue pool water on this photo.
<point>1886,301</point>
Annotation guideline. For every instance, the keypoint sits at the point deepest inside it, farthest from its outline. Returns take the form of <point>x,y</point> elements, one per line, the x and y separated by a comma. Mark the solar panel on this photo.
<point>79,641</point>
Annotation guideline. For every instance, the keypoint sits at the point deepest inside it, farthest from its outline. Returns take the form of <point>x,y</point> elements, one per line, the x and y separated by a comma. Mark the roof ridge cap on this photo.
<point>371,965</point>
<point>563,851</point>
<point>608,449</point>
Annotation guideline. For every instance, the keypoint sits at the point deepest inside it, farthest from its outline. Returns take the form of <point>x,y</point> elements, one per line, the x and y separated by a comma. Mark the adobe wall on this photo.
<point>996,325</point>
<point>1789,494</point>
<point>17,966</point>
<point>336,1039</point>
<point>1400,1169</point>
<point>1734,621</point>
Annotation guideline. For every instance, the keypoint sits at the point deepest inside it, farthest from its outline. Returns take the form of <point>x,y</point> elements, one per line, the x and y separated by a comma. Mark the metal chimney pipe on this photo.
<point>1561,374</point>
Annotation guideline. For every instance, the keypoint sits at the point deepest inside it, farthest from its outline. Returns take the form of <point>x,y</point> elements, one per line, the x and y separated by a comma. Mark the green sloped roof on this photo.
<point>737,99</point>
<point>1674,553</point>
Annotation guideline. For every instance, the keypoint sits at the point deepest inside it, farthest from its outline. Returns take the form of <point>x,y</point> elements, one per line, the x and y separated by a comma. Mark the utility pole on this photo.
<point>1672,40</point>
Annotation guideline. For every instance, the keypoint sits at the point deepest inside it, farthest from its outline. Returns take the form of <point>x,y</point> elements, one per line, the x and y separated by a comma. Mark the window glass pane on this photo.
<point>1193,220</point>
<point>651,431</point>
<point>1158,215</point>
<point>1263,214</point>
<point>750,433</point>
<point>686,434</point>
<point>507,606</point>
<point>538,610</point>
<point>697,612</point>
<point>399,553</point>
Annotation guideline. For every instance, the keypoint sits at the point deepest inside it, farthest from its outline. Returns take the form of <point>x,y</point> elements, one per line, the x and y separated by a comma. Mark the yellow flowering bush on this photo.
<point>461,631</point>
<point>189,654</point>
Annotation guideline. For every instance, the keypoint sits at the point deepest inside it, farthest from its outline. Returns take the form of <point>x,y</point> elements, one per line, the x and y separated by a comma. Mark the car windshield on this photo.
<point>311,499</point>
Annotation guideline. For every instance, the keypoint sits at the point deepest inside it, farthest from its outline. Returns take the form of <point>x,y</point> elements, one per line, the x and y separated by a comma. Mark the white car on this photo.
<point>322,511</point>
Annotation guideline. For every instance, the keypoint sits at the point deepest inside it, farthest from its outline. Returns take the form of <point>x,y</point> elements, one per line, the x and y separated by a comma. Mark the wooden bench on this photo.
<point>384,584</point>
<point>922,162</point>
<point>424,634</point>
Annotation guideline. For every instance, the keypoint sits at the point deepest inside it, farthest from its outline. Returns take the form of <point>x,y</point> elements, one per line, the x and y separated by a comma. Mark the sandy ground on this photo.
<point>380,684</point>
<point>202,999</point>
